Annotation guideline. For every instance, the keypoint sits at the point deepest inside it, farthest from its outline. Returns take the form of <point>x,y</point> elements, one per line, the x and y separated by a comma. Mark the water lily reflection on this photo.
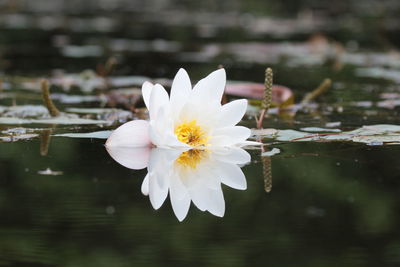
<point>186,175</point>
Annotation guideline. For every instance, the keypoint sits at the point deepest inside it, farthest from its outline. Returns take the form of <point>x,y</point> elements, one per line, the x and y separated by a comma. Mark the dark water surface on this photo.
<point>331,204</point>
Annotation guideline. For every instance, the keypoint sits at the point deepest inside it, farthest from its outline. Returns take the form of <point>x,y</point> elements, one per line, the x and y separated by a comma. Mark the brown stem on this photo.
<point>261,118</point>
<point>110,66</point>
<point>45,141</point>
<point>322,88</point>
<point>54,112</point>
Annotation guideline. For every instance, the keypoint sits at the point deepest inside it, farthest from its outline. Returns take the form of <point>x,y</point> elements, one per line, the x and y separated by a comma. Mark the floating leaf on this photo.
<point>17,115</point>
<point>19,133</point>
<point>26,111</point>
<point>317,129</point>
<point>98,135</point>
<point>333,124</point>
<point>377,129</point>
<point>56,120</point>
<point>381,73</point>
<point>265,132</point>
<point>281,95</point>
<point>274,151</point>
<point>76,99</point>
<point>370,134</point>
<point>108,114</point>
<point>337,137</point>
<point>377,139</point>
<point>15,138</point>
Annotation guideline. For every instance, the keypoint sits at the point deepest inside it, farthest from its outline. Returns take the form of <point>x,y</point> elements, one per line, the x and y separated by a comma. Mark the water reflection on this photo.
<point>187,175</point>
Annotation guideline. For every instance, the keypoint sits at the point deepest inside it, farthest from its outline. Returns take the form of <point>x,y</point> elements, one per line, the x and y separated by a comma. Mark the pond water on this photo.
<point>65,201</point>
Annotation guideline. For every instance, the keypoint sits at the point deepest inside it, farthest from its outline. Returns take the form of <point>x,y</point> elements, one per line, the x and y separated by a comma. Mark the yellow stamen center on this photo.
<point>191,134</point>
<point>191,158</point>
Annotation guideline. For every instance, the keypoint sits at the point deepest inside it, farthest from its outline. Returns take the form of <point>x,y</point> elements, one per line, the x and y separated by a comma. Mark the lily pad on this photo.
<point>56,120</point>
<point>19,133</point>
<point>290,135</point>
<point>318,129</point>
<point>17,115</point>
<point>98,135</point>
<point>76,99</point>
<point>369,134</point>
<point>333,124</point>
<point>15,138</point>
<point>25,111</point>
<point>265,132</point>
<point>274,151</point>
<point>108,114</point>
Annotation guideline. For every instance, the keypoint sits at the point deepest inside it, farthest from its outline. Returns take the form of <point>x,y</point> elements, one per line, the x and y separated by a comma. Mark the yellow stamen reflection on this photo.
<point>191,134</point>
<point>191,158</point>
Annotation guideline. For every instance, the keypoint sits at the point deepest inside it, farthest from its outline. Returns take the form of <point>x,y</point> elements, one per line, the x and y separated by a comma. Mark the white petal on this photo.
<point>229,136</point>
<point>157,194</point>
<point>232,113</point>
<point>131,134</point>
<point>162,131</point>
<point>180,206</point>
<point>155,136</point>
<point>209,176</point>
<point>210,89</point>
<point>180,91</point>
<point>130,157</point>
<point>199,196</point>
<point>160,165</point>
<point>234,155</point>
<point>177,188</point>
<point>204,113</point>
<point>160,169</point>
<point>216,203</point>
<point>146,91</point>
<point>160,128</point>
<point>232,176</point>
<point>158,98</point>
<point>145,185</point>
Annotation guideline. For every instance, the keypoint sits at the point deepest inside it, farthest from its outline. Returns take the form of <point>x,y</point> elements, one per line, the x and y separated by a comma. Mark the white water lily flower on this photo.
<point>197,144</point>
<point>188,118</point>
<point>193,175</point>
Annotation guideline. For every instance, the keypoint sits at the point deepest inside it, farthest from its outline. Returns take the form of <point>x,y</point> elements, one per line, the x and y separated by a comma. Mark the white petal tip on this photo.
<point>218,214</point>
<point>180,219</point>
